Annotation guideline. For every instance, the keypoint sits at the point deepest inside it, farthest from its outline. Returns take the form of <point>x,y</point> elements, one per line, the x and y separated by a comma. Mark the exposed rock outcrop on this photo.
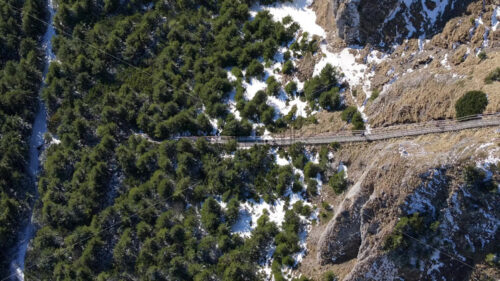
<point>381,22</point>
<point>403,178</point>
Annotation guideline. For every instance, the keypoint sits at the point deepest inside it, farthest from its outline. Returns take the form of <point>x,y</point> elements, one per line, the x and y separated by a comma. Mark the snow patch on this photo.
<point>444,62</point>
<point>35,143</point>
<point>300,12</point>
<point>253,87</point>
<point>345,61</point>
<point>403,152</point>
<point>283,105</point>
<point>420,200</point>
<point>342,168</point>
<point>436,264</point>
<point>495,19</point>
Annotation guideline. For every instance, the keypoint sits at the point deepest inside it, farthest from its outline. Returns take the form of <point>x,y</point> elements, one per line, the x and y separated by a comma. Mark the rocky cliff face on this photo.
<point>416,80</point>
<point>381,22</point>
<point>458,223</point>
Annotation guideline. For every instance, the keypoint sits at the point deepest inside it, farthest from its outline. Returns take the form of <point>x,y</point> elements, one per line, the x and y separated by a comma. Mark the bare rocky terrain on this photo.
<point>416,77</point>
<point>417,80</point>
<point>389,180</point>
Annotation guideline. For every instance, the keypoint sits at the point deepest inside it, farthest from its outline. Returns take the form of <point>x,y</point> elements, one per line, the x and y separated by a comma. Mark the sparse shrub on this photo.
<point>482,55</point>
<point>255,69</point>
<point>348,113</point>
<point>288,67</point>
<point>273,87</point>
<point>473,102</point>
<point>492,260</point>
<point>302,278</point>
<point>311,170</point>
<point>375,94</point>
<point>357,121</point>
<point>338,182</point>
<point>494,76</point>
<point>335,146</point>
<point>435,226</point>
<point>291,88</point>
<point>326,206</point>
<point>476,178</point>
<point>409,225</point>
<point>329,276</point>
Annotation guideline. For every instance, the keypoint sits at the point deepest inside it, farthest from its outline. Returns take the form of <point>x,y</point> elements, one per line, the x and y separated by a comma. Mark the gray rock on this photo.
<point>377,21</point>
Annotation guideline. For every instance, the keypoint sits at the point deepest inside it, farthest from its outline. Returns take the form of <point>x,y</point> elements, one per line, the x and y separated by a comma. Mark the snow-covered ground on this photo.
<point>345,61</point>
<point>35,146</point>
<point>495,19</point>
<point>252,210</point>
<point>492,160</point>
<point>354,73</point>
<point>300,12</point>
<point>445,63</point>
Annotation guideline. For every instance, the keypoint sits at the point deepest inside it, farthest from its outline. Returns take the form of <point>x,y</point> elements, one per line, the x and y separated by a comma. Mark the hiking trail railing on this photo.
<point>343,136</point>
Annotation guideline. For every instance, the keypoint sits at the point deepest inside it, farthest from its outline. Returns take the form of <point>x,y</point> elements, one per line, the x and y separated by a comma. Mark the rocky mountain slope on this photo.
<point>128,191</point>
<point>393,181</point>
<point>388,21</point>
<point>418,78</point>
<point>411,211</point>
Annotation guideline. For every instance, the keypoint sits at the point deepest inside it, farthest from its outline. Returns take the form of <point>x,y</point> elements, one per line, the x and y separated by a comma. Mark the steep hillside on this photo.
<point>428,177</point>
<point>418,78</point>
<point>132,186</point>
<point>386,22</point>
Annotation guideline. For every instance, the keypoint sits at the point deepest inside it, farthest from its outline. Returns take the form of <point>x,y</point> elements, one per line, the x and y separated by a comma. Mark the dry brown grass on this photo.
<point>424,152</point>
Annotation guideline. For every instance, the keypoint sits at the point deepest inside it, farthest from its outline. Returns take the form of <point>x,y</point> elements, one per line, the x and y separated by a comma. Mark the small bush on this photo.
<point>338,182</point>
<point>494,76</point>
<point>288,67</point>
<point>410,225</point>
<point>375,94</point>
<point>237,72</point>
<point>335,146</point>
<point>476,178</point>
<point>482,55</point>
<point>287,55</point>
<point>329,276</point>
<point>357,121</point>
<point>255,69</point>
<point>311,170</point>
<point>273,87</point>
<point>473,102</point>
<point>312,187</point>
<point>296,151</point>
<point>330,100</point>
<point>492,260</point>
<point>297,187</point>
<point>291,88</point>
<point>286,20</point>
<point>348,113</point>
